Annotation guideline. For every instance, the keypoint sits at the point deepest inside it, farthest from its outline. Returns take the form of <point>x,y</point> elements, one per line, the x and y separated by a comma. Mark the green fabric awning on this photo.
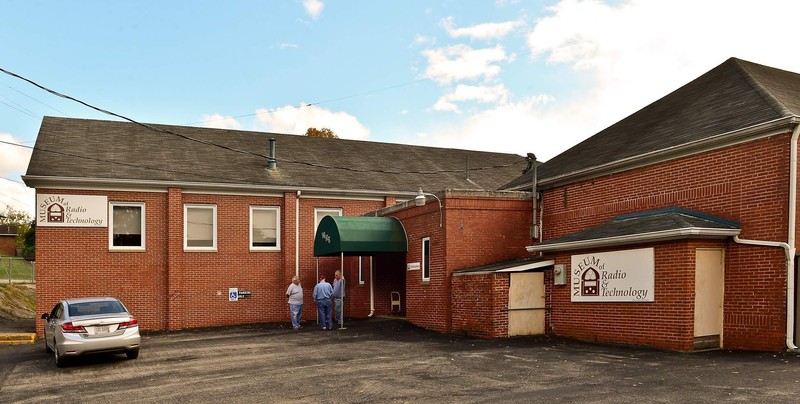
<point>359,235</point>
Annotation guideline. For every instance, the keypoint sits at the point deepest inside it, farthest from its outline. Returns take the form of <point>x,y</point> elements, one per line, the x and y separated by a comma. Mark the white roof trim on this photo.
<point>666,235</point>
<point>727,139</point>
<point>532,265</point>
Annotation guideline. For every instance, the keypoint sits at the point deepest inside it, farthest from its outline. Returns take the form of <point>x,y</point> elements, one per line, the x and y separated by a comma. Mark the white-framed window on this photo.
<point>199,227</point>
<point>265,229</point>
<point>319,213</point>
<point>126,226</point>
<point>426,259</point>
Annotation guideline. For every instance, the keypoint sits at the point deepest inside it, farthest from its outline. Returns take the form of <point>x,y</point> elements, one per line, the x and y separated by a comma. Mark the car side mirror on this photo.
<point>45,316</point>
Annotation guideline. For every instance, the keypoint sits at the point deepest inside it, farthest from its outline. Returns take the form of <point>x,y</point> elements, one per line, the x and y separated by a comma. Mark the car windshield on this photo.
<point>93,308</point>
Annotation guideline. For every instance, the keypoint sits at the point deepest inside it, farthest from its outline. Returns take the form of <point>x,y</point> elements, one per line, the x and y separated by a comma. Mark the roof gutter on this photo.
<point>665,235</point>
<point>789,245</point>
<point>113,184</point>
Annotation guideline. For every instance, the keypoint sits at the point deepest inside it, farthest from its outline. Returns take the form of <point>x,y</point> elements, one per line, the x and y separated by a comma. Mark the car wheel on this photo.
<point>133,353</point>
<point>60,360</point>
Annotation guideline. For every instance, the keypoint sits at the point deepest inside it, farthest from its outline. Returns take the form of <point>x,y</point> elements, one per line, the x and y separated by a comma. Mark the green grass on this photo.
<point>17,301</point>
<point>21,270</point>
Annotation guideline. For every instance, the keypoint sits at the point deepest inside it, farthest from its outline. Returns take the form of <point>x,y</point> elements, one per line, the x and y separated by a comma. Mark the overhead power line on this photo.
<point>212,144</point>
<point>269,111</point>
<point>40,102</point>
<point>18,107</point>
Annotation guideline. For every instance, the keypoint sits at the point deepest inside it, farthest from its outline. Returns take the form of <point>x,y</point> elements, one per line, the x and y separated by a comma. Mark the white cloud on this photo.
<point>623,57</point>
<point>13,161</point>
<point>461,62</point>
<point>481,94</point>
<point>641,50</point>
<point>313,8</point>
<point>489,30</point>
<point>287,45</point>
<point>17,196</point>
<point>520,127</point>
<point>294,120</point>
<point>444,105</point>
<point>220,121</point>
<point>423,40</point>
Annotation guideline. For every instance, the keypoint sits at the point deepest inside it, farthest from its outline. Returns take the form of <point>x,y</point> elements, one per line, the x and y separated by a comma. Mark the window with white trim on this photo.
<point>319,213</point>
<point>200,227</point>
<point>426,259</point>
<point>126,226</point>
<point>265,229</point>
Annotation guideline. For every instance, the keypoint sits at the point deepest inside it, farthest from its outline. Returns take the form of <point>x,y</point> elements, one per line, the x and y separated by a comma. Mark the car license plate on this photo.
<point>101,329</point>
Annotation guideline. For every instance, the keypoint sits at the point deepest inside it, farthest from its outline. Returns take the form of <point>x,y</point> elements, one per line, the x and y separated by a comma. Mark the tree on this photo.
<point>29,248</point>
<point>324,132</point>
<point>22,220</point>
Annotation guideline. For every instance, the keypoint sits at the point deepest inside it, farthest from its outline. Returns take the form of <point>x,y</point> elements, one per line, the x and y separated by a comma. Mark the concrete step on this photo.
<point>17,338</point>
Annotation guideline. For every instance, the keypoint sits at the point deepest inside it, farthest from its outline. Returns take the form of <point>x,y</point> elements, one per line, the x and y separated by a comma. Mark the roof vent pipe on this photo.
<point>272,163</point>
<point>534,195</point>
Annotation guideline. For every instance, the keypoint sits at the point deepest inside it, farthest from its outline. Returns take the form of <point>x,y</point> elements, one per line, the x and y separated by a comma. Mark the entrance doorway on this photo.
<point>708,299</point>
<point>526,303</point>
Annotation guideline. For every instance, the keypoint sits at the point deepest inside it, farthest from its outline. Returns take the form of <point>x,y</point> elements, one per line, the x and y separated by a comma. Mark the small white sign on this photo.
<point>413,266</point>
<point>619,276</point>
<point>233,294</point>
<point>71,210</point>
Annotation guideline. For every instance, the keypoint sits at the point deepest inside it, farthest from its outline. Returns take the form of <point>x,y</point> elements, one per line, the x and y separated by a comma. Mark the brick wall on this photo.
<point>168,288</point>
<point>476,231</point>
<point>480,305</point>
<point>747,183</point>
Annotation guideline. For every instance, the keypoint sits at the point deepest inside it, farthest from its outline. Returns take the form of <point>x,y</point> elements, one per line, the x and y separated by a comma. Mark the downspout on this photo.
<point>371,290</point>
<point>789,245</point>
<point>534,197</point>
<point>297,235</point>
<point>790,280</point>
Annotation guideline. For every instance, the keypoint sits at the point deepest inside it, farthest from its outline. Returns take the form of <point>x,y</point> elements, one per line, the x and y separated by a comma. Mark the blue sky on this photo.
<point>507,76</point>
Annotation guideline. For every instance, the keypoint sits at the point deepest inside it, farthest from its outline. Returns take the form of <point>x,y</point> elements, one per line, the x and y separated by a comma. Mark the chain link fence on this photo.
<point>17,270</point>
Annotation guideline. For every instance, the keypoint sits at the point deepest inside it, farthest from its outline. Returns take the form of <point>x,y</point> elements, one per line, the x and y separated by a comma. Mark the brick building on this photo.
<point>171,219</point>
<point>673,228</point>
<point>693,200</point>
<point>8,240</point>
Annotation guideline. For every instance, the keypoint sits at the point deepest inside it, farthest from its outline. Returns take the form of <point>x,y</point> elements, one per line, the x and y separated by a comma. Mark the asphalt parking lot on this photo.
<point>390,360</point>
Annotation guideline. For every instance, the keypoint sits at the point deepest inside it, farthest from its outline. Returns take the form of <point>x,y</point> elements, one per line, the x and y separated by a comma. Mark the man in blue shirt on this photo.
<point>338,296</point>
<point>322,296</point>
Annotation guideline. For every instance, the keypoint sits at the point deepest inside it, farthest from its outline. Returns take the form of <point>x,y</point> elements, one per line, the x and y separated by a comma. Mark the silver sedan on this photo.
<point>90,325</point>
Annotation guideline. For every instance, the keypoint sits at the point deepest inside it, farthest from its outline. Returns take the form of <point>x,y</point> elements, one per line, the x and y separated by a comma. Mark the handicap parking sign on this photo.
<point>233,294</point>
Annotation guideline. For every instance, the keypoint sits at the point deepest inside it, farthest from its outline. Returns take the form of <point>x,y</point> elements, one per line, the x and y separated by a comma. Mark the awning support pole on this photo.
<point>341,268</point>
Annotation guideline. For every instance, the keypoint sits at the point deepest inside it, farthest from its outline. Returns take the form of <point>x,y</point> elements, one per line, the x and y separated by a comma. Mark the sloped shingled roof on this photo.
<point>736,94</point>
<point>651,226</point>
<point>96,149</point>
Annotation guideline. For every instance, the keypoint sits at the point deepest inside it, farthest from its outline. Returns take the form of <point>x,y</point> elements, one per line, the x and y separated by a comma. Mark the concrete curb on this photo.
<point>17,338</point>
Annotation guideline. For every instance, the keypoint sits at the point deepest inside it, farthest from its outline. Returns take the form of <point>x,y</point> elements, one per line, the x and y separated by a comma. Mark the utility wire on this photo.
<point>9,196</point>
<point>9,179</point>
<point>18,107</point>
<point>40,102</point>
<point>269,111</point>
<point>169,132</point>
<point>159,169</point>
